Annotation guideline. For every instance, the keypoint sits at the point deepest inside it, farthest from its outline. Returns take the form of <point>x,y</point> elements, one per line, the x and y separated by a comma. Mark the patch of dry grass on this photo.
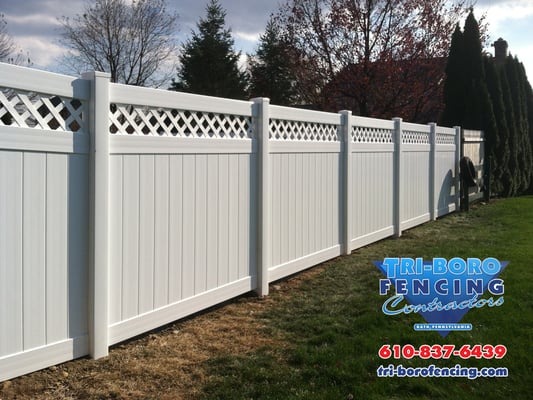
<point>164,364</point>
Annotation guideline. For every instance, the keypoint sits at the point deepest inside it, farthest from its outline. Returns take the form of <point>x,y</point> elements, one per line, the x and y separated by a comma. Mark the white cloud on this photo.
<point>32,20</point>
<point>246,42</point>
<point>502,13</point>
<point>525,56</point>
<point>41,51</point>
<point>249,37</point>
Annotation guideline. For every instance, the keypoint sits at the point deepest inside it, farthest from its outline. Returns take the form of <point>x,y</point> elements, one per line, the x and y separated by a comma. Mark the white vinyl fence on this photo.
<point>125,208</point>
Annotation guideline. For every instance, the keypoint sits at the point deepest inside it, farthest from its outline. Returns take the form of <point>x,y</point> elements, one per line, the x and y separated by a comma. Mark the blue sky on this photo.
<point>34,25</point>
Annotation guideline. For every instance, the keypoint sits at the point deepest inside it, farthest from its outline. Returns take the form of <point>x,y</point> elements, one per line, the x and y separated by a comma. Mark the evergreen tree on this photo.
<point>479,110</point>
<point>209,65</point>
<point>496,99</point>
<point>524,155</point>
<point>529,105</point>
<point>271,70</point>
<point>455,83</point>
<point>489,126</point>
<point>499,144</point>
<point>510,186</point>
<point>528,144</point>
<point>477,97</point>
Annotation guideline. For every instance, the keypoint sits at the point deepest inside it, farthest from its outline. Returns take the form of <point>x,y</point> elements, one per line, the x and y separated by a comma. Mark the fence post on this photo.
<point>98,117</point>
<point>458,150</point>
<point>432,169</point>
<point>346,131</point>
<point>397,186</point>
<point>261,120</point>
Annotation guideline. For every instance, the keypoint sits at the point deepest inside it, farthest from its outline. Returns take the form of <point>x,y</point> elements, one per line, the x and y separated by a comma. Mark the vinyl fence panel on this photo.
<point>181,206</point>
<point>372,180</point>
<point>305,188</point>
<point>44,215</point>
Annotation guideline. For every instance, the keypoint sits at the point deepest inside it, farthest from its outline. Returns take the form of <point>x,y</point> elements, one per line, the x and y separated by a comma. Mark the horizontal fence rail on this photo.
<point>125,208</point>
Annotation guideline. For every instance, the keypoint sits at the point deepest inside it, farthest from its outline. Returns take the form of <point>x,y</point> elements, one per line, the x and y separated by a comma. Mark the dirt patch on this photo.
<point>167,364</point>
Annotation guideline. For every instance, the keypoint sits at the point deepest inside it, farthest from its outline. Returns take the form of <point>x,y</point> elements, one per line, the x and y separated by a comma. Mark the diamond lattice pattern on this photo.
<point>414,137</point>
<point>129,120</point>
<point>305,131</point>
<point>444,138</point>
<point>39,111</point>
<point>362,134</point>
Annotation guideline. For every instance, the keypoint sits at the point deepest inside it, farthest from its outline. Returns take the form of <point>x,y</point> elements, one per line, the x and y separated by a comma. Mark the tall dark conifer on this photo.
<point>495,98</point>
<point>499,143</point>
<point>510,186</point>
<point>209,64</point>
<point>455,83</point>
<point>529,105</point>
<point>271,70</point>
<point>478,109</point>
<point>468,100</point>
<point>525,156</point>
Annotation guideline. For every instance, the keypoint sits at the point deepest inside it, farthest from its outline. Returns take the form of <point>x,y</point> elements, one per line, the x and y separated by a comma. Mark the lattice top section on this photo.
<point>444,138</point>
<point>39,111</point>
<point>415,137</point>
<point>129,120</point>
<point>304,131</point>
<point>362,134</point>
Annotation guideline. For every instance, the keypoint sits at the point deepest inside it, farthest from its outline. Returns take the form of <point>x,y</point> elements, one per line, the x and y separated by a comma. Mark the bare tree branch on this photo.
<point>9,51</point>
<point>7,45</point>
<point>130,40</point>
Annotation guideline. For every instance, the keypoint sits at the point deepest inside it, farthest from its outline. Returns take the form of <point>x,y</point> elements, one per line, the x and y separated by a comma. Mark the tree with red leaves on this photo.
<point>379,58</point>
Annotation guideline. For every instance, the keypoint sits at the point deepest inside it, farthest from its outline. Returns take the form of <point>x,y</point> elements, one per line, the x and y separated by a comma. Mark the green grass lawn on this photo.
<point>332,325</point>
